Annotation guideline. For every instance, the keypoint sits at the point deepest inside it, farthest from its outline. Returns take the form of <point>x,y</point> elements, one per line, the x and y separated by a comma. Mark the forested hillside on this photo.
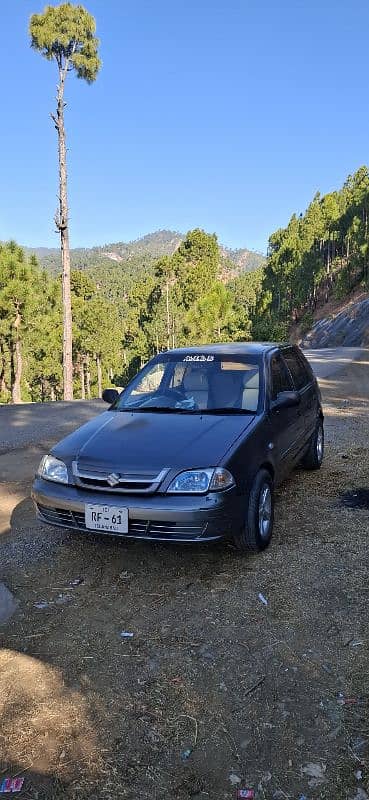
<point>141,254</point>
<point>166,290</point>
<point>120,318</point>
<point>322,253</point>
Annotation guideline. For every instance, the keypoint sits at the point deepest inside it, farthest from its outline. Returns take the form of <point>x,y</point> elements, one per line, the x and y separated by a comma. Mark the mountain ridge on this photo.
<point>149,247</point>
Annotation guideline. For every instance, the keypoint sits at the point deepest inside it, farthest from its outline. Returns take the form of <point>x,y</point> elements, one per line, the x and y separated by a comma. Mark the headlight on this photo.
<point>53,470</point>
<point>198,481</point>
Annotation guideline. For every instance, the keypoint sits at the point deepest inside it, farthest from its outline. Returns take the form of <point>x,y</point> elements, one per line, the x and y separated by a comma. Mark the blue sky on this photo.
<point>227,115</point>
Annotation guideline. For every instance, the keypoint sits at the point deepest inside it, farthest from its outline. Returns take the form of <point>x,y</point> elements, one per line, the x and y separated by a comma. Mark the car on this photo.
<point>191,450</point>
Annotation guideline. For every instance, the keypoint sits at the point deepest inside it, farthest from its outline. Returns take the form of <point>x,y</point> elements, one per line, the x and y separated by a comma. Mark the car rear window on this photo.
<point>301,375</point>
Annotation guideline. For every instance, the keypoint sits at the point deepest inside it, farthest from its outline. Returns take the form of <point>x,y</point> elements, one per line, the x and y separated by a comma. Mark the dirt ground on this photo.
<point>215,690</point>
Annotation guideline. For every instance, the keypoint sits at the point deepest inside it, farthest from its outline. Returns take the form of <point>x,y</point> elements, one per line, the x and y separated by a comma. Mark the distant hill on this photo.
<point>139,254</point>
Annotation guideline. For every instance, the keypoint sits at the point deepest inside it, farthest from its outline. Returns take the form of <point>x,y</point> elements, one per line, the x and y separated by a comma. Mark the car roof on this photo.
<point>230,348</point>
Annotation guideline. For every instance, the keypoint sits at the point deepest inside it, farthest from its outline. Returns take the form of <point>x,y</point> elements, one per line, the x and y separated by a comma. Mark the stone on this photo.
<point>8,604</point>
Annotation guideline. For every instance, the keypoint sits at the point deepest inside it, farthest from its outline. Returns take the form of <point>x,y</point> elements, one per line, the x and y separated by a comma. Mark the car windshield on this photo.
<point>194,383</point>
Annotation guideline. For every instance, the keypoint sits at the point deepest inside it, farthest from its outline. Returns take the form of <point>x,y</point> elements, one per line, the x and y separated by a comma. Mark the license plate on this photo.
<point>106,518</point>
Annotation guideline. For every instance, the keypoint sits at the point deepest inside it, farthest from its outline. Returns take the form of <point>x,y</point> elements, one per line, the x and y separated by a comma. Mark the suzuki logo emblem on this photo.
<point>113,479</point>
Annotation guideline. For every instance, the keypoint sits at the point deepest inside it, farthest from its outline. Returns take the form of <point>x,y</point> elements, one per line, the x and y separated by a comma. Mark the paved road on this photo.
<point>35,423</point>
<point>331,360</point>
<point>38,423</point>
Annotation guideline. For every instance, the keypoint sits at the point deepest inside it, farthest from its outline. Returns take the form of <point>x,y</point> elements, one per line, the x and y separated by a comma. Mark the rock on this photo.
<point>206,652</point>
<point>234,779</point>
<point>360,795</point>
<point>316,772</point>
<point>8,604</point>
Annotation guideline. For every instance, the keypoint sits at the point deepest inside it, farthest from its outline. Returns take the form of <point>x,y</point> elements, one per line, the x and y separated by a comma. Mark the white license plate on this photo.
<point>106,518</point>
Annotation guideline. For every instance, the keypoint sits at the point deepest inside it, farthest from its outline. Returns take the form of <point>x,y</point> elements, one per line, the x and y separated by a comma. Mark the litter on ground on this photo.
<point>9,785</point>
<point>262,599</point>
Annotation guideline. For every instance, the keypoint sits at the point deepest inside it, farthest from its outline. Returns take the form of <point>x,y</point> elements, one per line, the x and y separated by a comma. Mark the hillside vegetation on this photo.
<point>131,301</point>
<point>124,311</point>
<point>140,255</point>
<point>322,253</point>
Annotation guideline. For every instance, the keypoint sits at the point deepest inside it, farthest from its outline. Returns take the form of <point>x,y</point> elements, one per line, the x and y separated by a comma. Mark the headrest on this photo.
<point>195,380</point>
<point>226,388</point>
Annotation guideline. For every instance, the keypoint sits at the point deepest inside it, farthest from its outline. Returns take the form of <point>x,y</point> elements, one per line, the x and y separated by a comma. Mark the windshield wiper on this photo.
<point>157,409</point>
<point>227,410</point>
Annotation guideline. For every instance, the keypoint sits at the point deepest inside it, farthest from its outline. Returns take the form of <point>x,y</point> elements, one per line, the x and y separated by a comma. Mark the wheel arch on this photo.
<point>269,468</point>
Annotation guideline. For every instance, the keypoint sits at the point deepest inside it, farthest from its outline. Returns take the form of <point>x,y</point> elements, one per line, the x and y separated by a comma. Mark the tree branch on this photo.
<point>55,121</point>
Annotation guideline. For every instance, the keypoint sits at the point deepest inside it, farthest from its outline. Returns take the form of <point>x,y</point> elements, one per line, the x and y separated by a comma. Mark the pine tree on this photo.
<point>66,34</point>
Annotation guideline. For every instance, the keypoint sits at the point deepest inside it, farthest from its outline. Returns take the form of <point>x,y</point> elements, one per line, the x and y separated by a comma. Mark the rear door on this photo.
<point>313,399</point>
<point>304,383</point>
<point>287,423</point>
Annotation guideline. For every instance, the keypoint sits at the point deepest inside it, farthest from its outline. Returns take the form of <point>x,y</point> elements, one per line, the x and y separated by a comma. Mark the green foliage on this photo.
<point>31,332</point>
<point>323,252</point>
<point>138,257</point>
<point>212,318</point>
<point>120,319</point>
<point>66,33</point>
<point>20,290</point>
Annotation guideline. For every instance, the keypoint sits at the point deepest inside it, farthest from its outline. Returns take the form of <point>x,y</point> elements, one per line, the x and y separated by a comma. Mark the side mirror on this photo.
<point>110,396</point>
<point>286,400</point>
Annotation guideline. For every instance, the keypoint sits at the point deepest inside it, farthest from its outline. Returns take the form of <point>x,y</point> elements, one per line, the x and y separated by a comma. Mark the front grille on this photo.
<point>94,479</point>
<point>136,528</point>
<point>127,486</point>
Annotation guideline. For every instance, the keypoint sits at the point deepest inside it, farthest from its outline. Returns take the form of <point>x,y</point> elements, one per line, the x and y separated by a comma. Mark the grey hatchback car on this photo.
<point>191,450</point>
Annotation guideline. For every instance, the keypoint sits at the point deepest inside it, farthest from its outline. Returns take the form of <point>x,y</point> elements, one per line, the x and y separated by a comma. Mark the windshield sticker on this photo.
<point>199,358</point>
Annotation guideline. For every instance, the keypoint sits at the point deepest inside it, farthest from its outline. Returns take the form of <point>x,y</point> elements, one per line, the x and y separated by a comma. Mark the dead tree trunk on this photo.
<point>3,384</point>
<point>168,315</point>
<point>61,219</point>
<point>82,377</point>
<point>99,376</point>
<point>88,378</point>
<point>17,362</point>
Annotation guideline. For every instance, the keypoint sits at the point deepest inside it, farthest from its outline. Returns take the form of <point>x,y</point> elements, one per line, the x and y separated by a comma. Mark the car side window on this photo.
<point>309,375</point>
<point>281,380</point>
<point>296,368</point>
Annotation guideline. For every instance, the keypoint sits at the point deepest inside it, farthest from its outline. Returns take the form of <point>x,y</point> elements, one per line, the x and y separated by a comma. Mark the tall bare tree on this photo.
<point>66,34</point>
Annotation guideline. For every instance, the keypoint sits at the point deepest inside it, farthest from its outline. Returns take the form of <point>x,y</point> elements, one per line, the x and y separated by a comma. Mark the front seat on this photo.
<point>226,390</point>
<point>250,394</point>
<point>195,384</point>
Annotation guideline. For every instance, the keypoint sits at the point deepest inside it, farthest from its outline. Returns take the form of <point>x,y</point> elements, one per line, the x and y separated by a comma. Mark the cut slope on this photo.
<point>348,327</point>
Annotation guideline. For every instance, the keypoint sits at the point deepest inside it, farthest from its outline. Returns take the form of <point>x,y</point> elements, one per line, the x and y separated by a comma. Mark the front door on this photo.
<point>304,383</point>
<point>287,424</point>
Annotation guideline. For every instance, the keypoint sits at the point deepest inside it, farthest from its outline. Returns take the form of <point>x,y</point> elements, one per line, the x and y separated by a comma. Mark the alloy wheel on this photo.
<point>265,511</point>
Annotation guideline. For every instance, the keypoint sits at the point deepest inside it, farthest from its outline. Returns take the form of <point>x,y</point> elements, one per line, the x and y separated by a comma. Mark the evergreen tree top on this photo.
<point>66,33</point>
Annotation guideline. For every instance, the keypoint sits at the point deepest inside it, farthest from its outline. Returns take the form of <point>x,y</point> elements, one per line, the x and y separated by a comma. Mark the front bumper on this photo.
<point>156,517</point>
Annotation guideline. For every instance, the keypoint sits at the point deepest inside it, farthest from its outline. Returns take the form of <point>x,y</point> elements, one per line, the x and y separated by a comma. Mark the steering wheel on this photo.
<point>174,394</point>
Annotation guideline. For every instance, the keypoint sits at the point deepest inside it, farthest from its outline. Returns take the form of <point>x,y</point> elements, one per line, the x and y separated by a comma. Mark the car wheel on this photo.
<point>314,456</point>
<point>257,529</point>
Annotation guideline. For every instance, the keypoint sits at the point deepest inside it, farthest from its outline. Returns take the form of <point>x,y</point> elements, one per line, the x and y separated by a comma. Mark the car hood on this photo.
<point>136,441</point>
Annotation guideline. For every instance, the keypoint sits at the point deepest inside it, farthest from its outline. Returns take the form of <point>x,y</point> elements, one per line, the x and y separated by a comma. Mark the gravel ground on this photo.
<point>35,423</point>
<point>214,690</point>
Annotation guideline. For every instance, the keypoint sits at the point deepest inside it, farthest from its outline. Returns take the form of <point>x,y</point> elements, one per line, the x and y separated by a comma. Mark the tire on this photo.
<point>257,529</point>
<point>314,455</point>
